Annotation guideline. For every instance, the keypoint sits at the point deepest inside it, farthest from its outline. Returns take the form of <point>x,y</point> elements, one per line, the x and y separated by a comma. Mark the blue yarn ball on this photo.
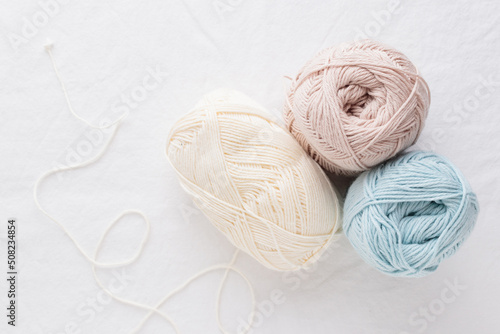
<point>405,216</point>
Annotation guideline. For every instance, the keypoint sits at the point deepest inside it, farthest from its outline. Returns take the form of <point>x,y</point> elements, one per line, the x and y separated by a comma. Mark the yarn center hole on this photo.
<point>357,100</point>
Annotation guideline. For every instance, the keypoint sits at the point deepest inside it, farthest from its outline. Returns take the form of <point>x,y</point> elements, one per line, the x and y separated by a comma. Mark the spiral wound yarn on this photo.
<point>253,181</point>
<point>407,215</point>
<point>356,105</point>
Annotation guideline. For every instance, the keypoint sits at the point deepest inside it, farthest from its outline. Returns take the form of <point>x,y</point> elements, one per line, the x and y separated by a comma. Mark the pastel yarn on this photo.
<point>407,215</point>
<point>354,106</point>
<point>253,181</point>
<point>93,258</point>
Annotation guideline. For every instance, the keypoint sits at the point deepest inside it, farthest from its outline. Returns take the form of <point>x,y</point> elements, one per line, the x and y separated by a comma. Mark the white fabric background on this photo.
<point>104,50</point>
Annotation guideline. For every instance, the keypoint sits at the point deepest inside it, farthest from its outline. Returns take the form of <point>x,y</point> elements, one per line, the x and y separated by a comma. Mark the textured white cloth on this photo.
<point>155,59</point>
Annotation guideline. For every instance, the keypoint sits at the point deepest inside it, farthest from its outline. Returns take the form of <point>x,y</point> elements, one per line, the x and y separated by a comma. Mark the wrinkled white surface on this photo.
<point>104,49</point>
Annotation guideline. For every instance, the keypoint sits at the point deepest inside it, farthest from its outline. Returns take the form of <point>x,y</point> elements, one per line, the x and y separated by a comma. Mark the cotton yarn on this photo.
<point>93,259</point>
<point>253,181</point>
<point>407,215</point>
<point>354,106</point>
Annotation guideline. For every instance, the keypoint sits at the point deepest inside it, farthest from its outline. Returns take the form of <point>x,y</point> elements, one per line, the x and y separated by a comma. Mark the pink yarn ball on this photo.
<point>356,105</point>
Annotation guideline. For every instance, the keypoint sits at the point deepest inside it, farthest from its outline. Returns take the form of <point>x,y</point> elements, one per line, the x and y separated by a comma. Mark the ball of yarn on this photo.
<point>356,105</point>
<point>253,181</point>
<point>407,215</point>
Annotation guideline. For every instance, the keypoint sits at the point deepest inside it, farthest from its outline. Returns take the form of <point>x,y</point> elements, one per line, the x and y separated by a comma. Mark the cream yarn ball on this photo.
<point>353,106</point>
<point>253,181</point>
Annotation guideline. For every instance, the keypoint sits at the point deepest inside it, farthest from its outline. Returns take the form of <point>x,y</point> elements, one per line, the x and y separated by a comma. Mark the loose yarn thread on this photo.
<point>356,105</point>
<point>93,260</point>
<point>253,181</point>
<point>404,217</point>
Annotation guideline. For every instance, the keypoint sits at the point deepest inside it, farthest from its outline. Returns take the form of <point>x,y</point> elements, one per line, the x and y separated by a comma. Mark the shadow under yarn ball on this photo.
<point>407,215</point>
<point>356,105</point>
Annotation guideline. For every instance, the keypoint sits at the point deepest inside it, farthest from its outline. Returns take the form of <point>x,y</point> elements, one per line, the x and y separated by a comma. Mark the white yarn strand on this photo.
<point>48,47</point>
<point>93,260</point>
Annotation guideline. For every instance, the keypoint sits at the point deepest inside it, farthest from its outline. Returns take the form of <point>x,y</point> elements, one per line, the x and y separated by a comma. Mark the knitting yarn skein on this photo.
<point>353,106</point>
<point>407,215</point>
<point>253,181</point>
